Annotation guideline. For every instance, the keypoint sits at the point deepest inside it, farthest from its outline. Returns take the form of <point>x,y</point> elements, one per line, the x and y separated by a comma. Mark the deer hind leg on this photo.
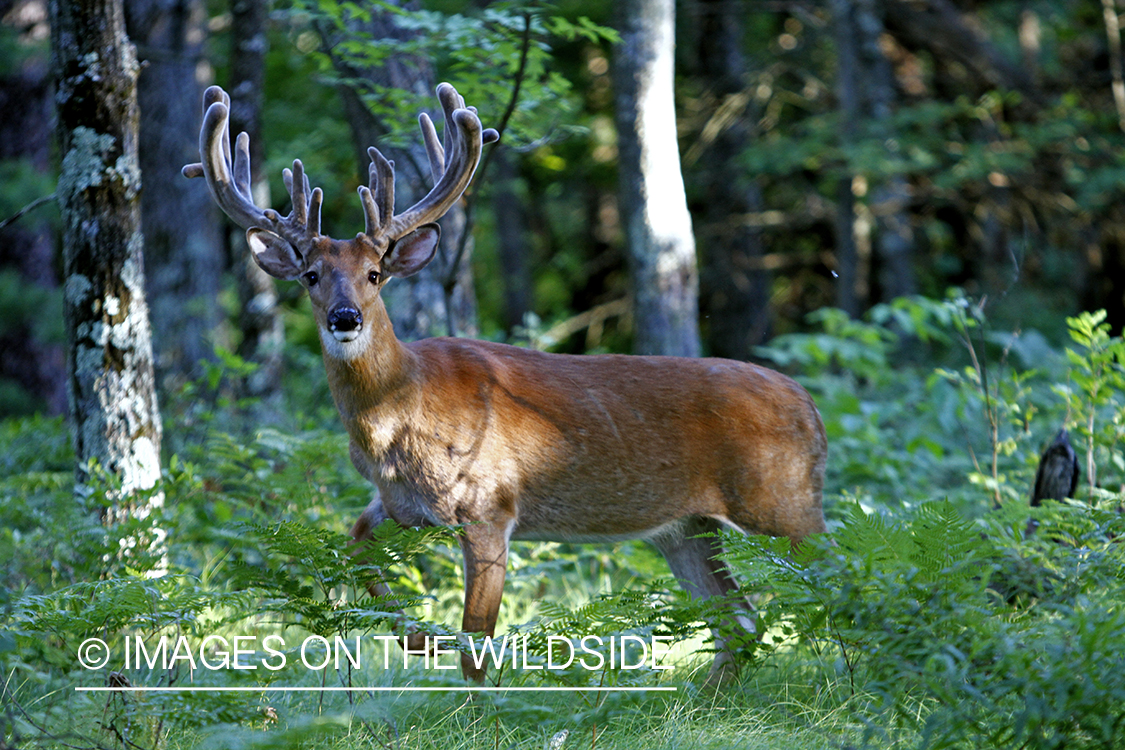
<point>694,563</point>
<point>373,515</point>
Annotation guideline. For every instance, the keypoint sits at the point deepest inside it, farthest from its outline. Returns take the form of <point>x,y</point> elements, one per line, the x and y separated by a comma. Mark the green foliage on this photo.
<point>26,311</point>
<point>1092,395</point>
<point>930,623</point>
<point>887,422</point>
<point>22,182</point>
<point>947,632</point>
<point>908,616</point>
<point>490,54</point>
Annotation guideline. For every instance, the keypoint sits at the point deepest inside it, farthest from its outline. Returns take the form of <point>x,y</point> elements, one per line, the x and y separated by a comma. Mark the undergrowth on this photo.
<point>925,618</point>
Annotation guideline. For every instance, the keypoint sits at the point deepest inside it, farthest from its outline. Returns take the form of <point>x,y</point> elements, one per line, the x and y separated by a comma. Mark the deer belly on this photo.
<point>590,537</point>
<point>600,519</point>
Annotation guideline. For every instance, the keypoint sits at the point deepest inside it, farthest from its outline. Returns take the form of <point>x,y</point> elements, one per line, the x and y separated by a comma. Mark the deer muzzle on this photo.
<point>345,323</point>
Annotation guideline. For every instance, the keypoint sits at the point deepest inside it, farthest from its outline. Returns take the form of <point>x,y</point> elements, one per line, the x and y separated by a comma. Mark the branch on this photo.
<point>28,208</point>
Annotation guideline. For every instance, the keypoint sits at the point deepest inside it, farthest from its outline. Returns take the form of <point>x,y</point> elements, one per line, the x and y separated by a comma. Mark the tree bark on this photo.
<point>661,248</point>
<point>183,250</point>
<point>734,284</point>
<point>866,96</point>
<point>114,412</point>
<point>259,318</point>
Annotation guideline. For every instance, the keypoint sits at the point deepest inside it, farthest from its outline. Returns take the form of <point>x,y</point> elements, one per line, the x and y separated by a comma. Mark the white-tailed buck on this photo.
<point>515,443</point>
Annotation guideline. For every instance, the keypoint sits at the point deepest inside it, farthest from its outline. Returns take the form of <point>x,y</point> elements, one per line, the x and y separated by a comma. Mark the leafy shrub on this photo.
<point>925,623</point>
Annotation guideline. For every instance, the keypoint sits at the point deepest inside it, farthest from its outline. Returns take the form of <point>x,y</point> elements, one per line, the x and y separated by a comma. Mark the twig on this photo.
<point>29,207</point>
<point>990,410</point>
<point>595,317</point>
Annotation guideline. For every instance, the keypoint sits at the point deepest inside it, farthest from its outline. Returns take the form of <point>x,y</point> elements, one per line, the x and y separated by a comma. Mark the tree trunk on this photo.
<point>734,285</point>
<point>661,248</point>
<point>112,390</point>
<point>867,95</point>
<point>440,298</point>
<point>183,251</point>
<point>259,319</point>
<point>511,237</point>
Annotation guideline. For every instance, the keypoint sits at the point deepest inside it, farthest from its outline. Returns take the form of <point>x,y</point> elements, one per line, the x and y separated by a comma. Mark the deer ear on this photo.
<point>274,254</point>
<point>411,253</point>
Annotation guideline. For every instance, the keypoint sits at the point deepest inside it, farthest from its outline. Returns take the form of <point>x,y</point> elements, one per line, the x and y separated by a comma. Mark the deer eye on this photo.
<point>311,278</point>
<point>373,277</point>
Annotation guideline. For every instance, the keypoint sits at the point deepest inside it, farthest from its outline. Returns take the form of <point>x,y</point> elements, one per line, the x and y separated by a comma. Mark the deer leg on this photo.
<point>694,563</point>
<point>485,548</point>
<point>373,515</point>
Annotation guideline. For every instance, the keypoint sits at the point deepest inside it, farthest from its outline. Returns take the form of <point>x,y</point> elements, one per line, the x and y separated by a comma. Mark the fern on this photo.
<point>946,544</point>
<point>874,537</point>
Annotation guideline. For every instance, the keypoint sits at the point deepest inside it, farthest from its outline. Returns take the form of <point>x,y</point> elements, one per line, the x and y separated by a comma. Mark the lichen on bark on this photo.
<point>115,419</point>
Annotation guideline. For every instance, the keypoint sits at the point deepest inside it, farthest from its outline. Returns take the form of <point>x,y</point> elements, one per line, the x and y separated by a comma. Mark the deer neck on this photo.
<point>373,381</point>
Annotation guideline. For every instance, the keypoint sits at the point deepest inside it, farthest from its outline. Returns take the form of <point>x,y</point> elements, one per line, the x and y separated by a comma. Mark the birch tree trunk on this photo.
<point>661,248</point>
<point>115,419</point>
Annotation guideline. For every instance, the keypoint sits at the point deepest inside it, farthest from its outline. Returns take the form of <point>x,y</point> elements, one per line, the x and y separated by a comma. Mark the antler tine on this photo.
<point>223,178</point>
<point>433,146</point>
<point>229,181</point>
<point>297,185</point>
<point>241,164</point>
<point>379,198</point>
<point>461,156</point>
<point>212,95</point>
<point>304,220</point>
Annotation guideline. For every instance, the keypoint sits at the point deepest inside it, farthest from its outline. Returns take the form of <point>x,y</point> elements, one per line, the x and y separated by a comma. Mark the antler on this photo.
<point>464,138</point>
<point>230,184</point>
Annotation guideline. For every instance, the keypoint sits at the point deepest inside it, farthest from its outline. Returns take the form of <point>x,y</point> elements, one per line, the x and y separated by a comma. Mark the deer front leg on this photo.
<point>373,515</point>
<point>485,547</point>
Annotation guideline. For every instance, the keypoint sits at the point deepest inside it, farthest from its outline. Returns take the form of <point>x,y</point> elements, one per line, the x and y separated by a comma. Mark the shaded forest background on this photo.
<point>837,153</point>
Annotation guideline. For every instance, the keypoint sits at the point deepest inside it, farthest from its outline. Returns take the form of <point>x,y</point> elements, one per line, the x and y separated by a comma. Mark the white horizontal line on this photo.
<point>452,689</point>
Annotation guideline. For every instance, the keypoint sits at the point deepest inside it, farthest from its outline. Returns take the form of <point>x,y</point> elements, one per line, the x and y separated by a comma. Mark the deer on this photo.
<point>509,443</point>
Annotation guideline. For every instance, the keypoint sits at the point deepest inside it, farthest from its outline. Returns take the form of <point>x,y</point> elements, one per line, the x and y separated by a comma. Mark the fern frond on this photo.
<point>944,541</point>
<point>870,535</point>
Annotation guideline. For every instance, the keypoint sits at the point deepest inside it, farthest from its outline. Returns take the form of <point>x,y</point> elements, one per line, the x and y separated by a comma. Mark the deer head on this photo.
<point>343,277</point>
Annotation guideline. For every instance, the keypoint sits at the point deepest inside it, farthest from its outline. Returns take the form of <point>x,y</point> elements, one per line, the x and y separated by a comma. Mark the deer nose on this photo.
<point>344,319</point>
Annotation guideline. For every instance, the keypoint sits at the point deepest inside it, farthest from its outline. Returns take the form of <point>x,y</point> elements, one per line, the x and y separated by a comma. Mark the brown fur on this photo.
<point>520,444</point>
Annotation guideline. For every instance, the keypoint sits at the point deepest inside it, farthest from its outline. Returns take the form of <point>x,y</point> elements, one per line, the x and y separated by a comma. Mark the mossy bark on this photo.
<point>115,419</point>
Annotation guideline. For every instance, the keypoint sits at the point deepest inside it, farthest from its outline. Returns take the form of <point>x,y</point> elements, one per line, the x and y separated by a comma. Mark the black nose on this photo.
<point>345,319</point>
